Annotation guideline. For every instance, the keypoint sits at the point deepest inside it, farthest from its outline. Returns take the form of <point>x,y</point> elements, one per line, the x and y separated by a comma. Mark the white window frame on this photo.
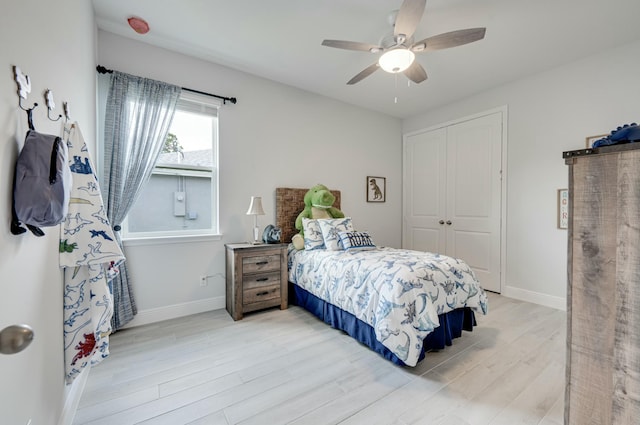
<point>198,103</point>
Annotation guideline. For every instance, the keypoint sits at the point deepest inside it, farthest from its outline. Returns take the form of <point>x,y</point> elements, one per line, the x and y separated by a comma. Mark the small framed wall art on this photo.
<point>376,189</point>
<point>589,140</point>
<point>563,208</point>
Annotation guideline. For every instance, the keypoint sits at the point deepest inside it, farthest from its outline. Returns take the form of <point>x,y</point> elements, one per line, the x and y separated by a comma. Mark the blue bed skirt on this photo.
<point>451,324</point>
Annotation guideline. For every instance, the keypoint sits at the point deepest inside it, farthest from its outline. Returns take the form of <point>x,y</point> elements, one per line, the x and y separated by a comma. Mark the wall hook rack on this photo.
<point>48,98</point>
<point>65,109</point>
<point>24,88</point>
<point>35,105</point>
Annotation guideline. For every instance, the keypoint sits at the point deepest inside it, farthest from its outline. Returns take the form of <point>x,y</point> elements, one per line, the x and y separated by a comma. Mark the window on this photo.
<point>181,197</point>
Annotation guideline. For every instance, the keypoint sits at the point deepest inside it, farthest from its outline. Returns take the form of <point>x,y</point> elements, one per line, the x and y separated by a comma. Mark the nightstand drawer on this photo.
<point>259,280</point>
<point>264,263</point>
<point>262,293</point>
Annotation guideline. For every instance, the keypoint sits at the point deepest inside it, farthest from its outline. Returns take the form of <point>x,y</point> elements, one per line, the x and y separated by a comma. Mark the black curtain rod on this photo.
<point>102,70</point>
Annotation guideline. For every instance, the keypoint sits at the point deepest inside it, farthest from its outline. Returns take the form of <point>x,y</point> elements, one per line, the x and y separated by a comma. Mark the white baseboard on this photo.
<point>159,314</point>
<point>72,394</point>
<point>559,303</point>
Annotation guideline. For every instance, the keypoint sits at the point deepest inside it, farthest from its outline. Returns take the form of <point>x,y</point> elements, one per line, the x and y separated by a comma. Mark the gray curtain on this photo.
<point>137,119</point>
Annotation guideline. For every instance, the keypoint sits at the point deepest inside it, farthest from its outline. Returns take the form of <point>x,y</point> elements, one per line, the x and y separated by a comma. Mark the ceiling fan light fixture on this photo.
<point>397,48</point>
<point>396,60</point>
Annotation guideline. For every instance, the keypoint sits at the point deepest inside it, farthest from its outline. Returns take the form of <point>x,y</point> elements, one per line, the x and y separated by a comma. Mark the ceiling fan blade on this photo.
<point>409,17</point>
<point>364,73</point>
<point>352,45</point>
<point>416,73</point>
<point>449,39</point>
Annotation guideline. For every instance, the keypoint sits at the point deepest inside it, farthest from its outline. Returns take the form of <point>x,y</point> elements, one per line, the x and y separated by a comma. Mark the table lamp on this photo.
<point>255,209</point>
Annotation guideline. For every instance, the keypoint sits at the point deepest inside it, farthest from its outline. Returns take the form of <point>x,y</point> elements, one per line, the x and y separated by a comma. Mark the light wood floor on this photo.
<point>287,367</point>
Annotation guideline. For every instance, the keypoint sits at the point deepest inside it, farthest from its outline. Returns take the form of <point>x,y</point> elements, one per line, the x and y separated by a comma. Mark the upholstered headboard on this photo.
<point>289,203</point>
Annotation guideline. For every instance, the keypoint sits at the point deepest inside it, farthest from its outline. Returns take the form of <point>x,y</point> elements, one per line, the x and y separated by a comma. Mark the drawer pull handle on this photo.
<point>261,263</point>
<point>262,293</point>
<point>262,279</point>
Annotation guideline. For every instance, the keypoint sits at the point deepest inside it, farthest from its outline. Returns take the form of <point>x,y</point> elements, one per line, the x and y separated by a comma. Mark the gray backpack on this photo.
<point>41,184</point>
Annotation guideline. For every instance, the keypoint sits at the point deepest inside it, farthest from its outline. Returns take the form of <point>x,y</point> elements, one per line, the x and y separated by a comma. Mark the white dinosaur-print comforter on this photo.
<point>400,293</point>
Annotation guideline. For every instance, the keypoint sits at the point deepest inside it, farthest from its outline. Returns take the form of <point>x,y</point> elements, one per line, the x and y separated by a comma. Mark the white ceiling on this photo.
<point>280,40</point>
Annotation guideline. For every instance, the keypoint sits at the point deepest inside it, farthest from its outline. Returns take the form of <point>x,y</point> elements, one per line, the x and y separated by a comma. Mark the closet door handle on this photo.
<point>15,338</point>
<point>449,223</point>
<point>441,222</point>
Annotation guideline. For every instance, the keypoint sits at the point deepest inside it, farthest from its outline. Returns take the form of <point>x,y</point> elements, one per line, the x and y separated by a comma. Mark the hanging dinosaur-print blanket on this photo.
<point>89,255</point>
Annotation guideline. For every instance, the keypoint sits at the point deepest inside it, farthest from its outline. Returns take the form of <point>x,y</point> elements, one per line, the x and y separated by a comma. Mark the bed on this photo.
<point>400,303</point>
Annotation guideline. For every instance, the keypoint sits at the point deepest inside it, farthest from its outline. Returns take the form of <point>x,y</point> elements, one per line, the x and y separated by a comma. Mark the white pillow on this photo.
<point>331,227</point>
<point>312,234</point>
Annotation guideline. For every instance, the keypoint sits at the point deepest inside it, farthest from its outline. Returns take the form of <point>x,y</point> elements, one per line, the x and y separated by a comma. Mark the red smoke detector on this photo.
<point>139,25</point>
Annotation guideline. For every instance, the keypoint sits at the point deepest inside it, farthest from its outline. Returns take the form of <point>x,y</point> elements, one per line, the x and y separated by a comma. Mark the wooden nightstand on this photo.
<point>256,277</point>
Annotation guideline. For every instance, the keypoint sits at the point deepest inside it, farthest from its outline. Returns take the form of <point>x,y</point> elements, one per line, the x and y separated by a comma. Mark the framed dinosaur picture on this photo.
<point>589,140</point>
<point>376,189</point>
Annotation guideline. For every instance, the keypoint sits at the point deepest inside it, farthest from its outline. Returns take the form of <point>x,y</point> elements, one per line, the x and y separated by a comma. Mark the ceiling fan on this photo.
<point>398,49</point>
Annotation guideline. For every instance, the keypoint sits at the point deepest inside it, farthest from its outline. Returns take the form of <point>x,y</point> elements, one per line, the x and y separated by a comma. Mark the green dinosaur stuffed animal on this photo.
<point>318,203</point>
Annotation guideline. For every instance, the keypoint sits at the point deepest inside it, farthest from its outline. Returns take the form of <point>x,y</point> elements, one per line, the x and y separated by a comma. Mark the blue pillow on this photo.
<point>355,240</point>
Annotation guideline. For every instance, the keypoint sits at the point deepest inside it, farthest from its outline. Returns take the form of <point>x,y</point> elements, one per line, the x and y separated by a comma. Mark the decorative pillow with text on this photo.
<point>355,240</point>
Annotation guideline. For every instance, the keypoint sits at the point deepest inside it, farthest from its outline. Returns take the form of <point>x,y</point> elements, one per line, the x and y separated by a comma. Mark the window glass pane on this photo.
<point>189,142</point>
<point>170,203</point>
<point>180,195</point>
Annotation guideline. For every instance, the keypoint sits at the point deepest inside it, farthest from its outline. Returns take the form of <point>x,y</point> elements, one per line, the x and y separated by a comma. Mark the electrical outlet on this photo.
<point>203,281</point>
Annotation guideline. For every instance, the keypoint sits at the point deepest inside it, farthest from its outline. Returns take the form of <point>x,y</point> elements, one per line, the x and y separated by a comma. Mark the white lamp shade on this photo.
<point>396,60</point>
<point>255,208</point>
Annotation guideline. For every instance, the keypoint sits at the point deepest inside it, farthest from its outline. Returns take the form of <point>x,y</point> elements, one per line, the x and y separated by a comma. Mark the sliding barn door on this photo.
<point>452,194</point>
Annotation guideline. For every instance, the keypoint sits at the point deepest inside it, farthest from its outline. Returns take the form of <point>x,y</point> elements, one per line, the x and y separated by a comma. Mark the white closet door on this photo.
<point>474,156</point>
<point>452,194</point>
<point>425,156</point>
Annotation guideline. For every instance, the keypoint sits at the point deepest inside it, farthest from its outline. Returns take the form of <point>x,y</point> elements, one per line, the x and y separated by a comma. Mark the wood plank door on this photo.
<point>603,309</point>
<point>452,194</point>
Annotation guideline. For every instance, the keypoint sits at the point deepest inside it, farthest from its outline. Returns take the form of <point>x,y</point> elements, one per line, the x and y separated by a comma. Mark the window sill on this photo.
<point>165,240</point>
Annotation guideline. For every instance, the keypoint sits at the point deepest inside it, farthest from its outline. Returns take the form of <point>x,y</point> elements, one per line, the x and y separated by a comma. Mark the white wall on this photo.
<point>274,136</point>
<point>549,113</point>
<point>55,46</point>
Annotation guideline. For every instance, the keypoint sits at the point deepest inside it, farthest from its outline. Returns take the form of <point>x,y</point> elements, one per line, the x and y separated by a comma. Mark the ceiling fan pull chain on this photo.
<point>396,82</point>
